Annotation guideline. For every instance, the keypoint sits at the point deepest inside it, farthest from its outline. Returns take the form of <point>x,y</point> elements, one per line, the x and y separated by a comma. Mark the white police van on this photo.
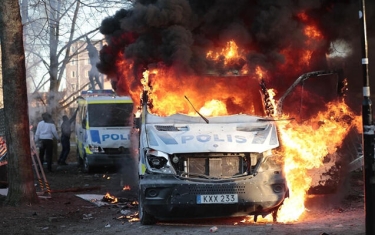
<point>104,123</point>
<point>194,167</point>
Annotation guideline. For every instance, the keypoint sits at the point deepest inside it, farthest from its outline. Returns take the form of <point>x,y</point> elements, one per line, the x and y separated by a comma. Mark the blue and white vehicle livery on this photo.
<point>204,167</point>
<point>103,129</point>
<point>194,167</point>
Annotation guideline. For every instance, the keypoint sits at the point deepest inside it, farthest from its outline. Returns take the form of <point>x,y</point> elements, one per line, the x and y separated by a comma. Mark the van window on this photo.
<point>81,114</point>
<point>109,115</point>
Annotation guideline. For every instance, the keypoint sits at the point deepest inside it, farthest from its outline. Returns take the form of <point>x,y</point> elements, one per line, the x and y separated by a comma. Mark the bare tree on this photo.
<point>53,27</point>
<point>20,173</point>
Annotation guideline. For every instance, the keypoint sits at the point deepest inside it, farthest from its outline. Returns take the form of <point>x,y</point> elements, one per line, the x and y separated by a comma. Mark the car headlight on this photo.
<point>95,149</point>
<point>158,162</point>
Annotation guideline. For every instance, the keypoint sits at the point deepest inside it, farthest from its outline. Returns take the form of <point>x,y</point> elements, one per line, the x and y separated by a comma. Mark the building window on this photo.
<point>72,62</point>
<point>73,74</point>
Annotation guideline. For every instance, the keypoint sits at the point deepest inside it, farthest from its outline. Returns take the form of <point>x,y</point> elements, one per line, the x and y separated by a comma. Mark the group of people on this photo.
<point>45,133</point>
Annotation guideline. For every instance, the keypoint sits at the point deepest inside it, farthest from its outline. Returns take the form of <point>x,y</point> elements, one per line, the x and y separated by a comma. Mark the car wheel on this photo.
<point>79,159</point>
<point>144,217</point>
<point>274,213</point>
<point>86,164</point>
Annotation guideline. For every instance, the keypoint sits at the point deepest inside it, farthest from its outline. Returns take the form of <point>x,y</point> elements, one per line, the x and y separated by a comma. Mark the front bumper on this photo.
<point>168,197</point>
<point>107,160</point>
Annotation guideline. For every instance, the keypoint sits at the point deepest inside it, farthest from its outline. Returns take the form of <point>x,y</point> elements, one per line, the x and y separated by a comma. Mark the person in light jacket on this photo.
<point>45,132</point>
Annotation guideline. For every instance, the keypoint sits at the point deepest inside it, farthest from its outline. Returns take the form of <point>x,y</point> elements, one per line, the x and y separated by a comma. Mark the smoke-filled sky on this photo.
<point>177,34</point>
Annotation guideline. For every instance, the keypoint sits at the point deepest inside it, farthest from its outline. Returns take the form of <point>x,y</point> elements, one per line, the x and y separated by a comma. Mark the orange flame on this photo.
<point>110,198</point>
<point>304,144</point>
<point>304,147</point>
<point>213,108</point>
<point>260,72</point>
<point>230,57</point>
<point>203,93</point>
<point>227,53</point>
<point>126,187</point>
<point>312,32</point>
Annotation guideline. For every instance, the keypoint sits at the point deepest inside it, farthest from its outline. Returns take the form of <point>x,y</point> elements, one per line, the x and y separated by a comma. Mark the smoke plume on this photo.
<point>177,34</point>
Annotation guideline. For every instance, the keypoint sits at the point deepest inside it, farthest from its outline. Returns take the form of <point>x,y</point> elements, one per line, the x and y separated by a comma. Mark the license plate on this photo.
<point>217,198</point>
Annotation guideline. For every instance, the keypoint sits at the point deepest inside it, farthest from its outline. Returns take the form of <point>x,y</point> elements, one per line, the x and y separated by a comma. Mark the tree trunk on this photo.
<point>20,172</point>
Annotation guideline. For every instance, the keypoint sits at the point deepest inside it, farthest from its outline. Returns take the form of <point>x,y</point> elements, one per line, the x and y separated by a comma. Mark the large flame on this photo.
<point>231,86</point>
<point>305,146</point>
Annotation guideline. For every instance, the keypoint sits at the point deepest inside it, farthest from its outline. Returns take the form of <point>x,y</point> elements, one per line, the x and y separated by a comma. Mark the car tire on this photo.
<point>79,159</point>
<point>86,165</point>
<point>144,217</point>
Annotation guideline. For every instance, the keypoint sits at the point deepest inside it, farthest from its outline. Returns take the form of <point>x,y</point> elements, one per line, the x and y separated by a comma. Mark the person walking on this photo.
<point>65,137</point>
<point>45,132</point>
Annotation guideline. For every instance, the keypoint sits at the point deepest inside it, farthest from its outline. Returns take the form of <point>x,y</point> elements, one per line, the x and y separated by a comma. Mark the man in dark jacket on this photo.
<point>65,137</point>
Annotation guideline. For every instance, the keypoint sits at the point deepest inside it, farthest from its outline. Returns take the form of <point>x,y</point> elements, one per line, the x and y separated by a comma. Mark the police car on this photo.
<point>103,129</point>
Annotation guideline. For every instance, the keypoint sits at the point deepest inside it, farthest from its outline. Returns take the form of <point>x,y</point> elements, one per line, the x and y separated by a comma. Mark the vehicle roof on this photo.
<point>105,99</point>
<point>183,118</point>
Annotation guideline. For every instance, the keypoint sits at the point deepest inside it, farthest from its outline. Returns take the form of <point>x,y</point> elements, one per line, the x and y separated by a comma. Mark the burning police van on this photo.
<point>193,167</point>
<point>206,167</point>
<point>103,129</point>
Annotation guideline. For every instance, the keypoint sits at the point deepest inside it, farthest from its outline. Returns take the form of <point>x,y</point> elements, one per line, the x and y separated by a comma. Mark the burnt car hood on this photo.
<point>181,133</point>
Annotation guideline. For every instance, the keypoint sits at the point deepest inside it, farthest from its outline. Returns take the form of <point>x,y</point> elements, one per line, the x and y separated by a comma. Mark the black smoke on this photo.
<point>177,33</point>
